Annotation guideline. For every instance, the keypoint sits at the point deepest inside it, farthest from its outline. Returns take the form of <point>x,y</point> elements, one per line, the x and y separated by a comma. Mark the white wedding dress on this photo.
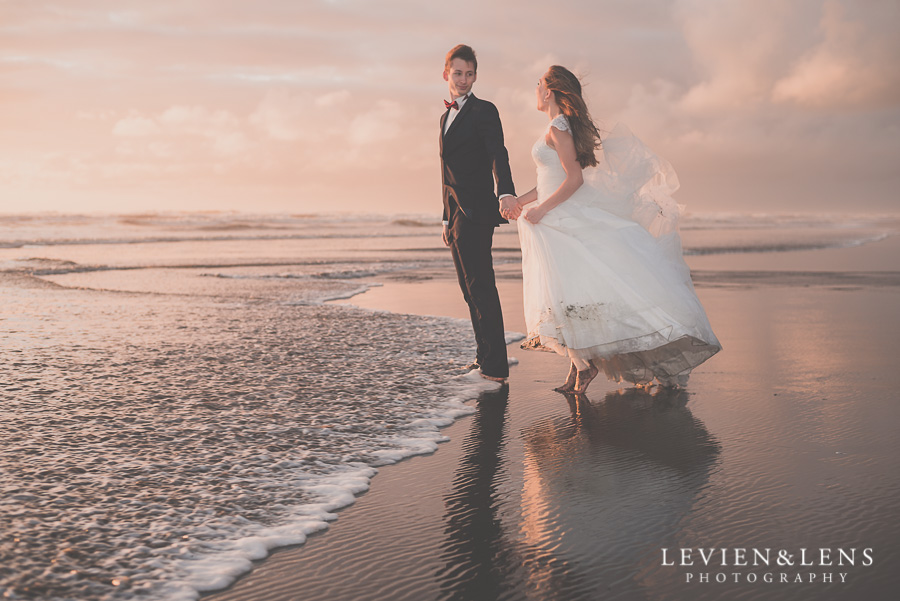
<point>603,273</point>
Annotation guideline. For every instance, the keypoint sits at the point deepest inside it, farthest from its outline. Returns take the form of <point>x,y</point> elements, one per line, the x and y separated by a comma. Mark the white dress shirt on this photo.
<point>454,112</point>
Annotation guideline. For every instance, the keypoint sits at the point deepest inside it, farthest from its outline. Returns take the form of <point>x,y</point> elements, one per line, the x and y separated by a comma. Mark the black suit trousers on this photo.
<point>470,245</point>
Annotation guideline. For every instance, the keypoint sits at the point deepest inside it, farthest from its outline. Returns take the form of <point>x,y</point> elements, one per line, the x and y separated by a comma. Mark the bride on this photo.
<point>604,280</point>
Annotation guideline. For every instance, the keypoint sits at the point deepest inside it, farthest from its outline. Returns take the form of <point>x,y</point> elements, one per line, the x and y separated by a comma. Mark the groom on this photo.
<point>472,155</point>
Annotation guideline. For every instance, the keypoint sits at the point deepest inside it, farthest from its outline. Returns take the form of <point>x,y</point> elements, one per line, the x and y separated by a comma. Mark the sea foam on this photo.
<point>158,444</point>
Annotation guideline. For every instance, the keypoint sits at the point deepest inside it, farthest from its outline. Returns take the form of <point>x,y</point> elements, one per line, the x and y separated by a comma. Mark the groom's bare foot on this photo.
<point>585,377</point>
<point>493,378</point>
<point>569,384</point>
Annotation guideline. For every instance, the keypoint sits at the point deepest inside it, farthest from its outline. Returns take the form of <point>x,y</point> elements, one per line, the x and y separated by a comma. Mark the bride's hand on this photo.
<point>534,214</point>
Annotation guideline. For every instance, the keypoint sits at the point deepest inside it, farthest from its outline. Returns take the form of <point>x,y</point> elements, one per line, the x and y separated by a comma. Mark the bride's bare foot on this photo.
<point>585,377</point>
<point>569,384</point>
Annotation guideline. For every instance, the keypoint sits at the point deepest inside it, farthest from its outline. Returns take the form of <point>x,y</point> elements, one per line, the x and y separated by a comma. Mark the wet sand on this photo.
<point>784,441</point>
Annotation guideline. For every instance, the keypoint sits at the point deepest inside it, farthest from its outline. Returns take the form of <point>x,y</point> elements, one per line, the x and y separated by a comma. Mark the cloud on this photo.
<point>282,100</point>
<point>737,46</point>
<point>849,68</point>
<point>136,125</point>
<point>379,125</point>
<point>197,119</point>
<point>330,129</point>
<point>221,132</point>
<point>751,54</point>
<point>282,116</point>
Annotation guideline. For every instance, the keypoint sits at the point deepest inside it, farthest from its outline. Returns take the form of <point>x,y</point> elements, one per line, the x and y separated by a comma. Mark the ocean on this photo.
<point>180,395</point>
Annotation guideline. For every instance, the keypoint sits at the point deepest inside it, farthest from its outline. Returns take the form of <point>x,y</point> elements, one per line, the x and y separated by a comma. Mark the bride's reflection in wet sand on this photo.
<point>601,489</point>
<point>605,486</point>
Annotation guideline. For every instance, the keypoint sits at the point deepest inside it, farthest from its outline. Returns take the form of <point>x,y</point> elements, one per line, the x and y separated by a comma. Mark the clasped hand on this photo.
<point>510,208</point>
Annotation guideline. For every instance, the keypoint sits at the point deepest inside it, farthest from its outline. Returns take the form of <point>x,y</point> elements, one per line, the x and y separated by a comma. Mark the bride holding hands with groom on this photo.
<point>604,280</point>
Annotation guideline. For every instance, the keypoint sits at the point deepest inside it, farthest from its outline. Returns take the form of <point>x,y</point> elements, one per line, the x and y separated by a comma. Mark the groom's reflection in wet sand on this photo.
<point>475,550</point>
<point>601,488</point>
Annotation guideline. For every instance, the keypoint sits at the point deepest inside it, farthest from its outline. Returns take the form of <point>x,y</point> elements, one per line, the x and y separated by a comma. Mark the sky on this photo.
<point>301,106</point>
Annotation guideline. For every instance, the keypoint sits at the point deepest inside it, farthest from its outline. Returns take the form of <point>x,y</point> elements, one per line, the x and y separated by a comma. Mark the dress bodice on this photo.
<point>550,172</point>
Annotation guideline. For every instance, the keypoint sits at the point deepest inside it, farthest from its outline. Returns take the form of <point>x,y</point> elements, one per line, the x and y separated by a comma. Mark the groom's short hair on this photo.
<point>465,53</point>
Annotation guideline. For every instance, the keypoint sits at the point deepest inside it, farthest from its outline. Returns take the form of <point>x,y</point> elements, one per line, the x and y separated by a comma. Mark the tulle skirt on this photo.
<point>598,285</point>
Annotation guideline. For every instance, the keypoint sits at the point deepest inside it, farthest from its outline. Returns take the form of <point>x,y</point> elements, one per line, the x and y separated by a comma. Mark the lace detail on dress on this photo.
<point>533,342</point>
<point>560,122</point>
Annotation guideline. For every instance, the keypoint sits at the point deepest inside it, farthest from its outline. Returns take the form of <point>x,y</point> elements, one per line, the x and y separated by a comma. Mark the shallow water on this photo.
<point>144,434</point>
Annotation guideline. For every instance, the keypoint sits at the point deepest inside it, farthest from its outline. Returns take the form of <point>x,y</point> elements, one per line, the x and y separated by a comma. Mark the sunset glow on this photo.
<point>297,107</point>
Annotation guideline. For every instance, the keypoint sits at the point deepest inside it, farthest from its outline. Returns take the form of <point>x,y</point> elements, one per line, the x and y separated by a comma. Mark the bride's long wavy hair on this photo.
<point>567,92</point>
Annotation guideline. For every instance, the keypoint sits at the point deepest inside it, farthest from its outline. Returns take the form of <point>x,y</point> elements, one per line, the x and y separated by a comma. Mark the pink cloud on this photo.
<point>849,67</point>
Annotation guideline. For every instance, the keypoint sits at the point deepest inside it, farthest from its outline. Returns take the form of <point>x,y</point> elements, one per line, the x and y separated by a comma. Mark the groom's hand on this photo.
<point>446,235</point>
<point>509,207</point>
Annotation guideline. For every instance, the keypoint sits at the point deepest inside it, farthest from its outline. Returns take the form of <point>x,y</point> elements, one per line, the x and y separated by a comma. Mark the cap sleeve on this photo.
<point>560,122</point>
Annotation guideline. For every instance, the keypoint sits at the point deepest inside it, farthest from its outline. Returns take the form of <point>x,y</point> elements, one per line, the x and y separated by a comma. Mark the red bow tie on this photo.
<point>451,105</point>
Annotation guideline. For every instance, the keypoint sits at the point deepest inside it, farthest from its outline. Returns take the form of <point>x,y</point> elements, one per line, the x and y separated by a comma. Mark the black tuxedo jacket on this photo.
<point>472,154</point>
